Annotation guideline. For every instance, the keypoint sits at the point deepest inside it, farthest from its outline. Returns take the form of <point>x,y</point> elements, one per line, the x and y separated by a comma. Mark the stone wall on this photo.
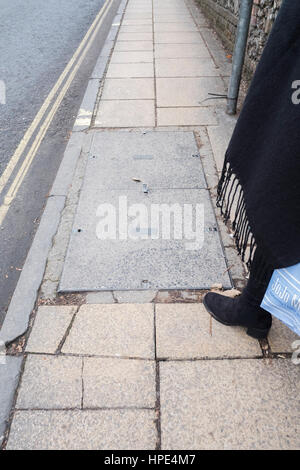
<point>223,16</point>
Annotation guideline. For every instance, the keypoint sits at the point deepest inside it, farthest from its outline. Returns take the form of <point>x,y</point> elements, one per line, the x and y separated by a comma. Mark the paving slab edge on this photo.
<point>17,318</point>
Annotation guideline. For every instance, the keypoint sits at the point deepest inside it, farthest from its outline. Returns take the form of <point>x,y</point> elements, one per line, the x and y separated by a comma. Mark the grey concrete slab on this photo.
<point>83,430</point>
<point>51,382</point>
<point>115,330</point>
<point>10,368</point>
<point>100,298</point>
<point>112,383</point>
<point>20,308</point>
<point>239,404</point>
<point>142,261</point>
<point>160,159</point>
<point>54,318</point>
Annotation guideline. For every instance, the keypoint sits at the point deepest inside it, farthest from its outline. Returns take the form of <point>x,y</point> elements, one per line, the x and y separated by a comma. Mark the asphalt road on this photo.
<point>37,40</point>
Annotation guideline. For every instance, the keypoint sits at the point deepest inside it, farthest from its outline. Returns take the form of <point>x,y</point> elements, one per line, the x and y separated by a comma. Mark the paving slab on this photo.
<point>100,298</point>
<point>112,383</point>
<point>128,89</point>
<point>237,404</point>
<point>85,113</point>
<point>135,36</point>
<point>10,368</point>
<point>172,18</point>
<point>163,160</point>
<point>125,113</point>
<point>132,57</point>
<point>130,70</point>
<point>187,331</point>
<point>54,318</point>
<point>18,314</point>
<point>220,136</point>
<point>136,296</point>
<point>187,91</point>
<point>83,430</point>
<point>178,38</point>
<point>174,51</point>
<point>180,26</point>
<point>136,28</point>
<point>281,338</point>
<point>118,330</point>
<point>122,46</point>
<point>186,67</point>
<point>51,382</point>
<point>202,116</point>
<point>139,252</point>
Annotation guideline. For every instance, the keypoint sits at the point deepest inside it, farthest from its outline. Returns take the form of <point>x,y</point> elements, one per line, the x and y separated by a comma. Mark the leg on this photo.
<point>244,310</point>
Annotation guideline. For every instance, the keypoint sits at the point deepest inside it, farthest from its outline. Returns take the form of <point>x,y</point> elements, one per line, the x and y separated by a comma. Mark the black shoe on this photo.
<point>239,311</point>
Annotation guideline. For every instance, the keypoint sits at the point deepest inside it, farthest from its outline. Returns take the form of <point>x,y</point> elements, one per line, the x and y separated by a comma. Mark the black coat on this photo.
<point>262,163</point>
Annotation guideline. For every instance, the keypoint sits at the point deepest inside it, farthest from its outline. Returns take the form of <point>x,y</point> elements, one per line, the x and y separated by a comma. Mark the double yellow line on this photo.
<point>62,84</point>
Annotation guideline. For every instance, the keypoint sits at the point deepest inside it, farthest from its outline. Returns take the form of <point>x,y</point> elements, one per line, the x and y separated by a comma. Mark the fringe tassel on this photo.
<point>229,192</point>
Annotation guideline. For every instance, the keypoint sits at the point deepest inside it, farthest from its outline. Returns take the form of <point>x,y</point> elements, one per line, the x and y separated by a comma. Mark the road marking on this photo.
<point>13,189</point>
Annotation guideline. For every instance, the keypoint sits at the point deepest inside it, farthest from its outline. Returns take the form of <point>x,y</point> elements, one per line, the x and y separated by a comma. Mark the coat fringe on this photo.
<point>230,192</point>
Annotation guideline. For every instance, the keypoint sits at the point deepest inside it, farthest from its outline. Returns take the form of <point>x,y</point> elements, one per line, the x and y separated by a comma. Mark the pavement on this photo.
<point>106,332</point>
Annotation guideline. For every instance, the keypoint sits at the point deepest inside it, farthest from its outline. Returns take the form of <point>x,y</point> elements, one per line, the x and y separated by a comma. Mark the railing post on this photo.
<point>239,55</point>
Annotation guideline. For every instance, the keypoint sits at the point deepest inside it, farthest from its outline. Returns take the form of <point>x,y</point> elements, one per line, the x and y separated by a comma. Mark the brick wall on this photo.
<point>223,16</point>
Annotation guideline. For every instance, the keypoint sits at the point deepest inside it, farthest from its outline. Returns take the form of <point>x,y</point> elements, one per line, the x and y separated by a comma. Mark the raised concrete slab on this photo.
<point>187,331</point>
<point>112,383</point>
<point>51,382</point>
<point>115,330</point>
<point>163,160</point>
<point>237,404</point>
<point>56,318</point>
<point>139,261</point>
<point>83,430</point>
<point>10,368</point>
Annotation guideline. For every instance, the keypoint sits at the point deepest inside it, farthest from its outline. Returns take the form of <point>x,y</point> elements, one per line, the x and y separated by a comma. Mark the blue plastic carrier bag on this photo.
<point>282,297</point>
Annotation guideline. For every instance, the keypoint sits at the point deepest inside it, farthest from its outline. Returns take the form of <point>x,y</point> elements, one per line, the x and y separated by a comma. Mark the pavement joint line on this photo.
<point>19,178</point>
<point>103,408</point>
<point>157,386</point>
